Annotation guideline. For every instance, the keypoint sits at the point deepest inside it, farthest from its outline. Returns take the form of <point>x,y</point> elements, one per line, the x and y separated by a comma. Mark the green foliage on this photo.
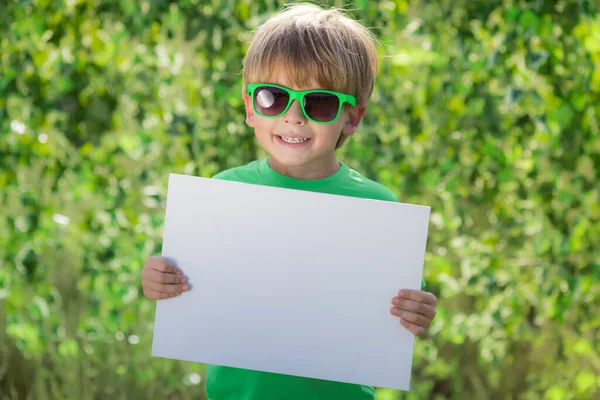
<point>489,112</point>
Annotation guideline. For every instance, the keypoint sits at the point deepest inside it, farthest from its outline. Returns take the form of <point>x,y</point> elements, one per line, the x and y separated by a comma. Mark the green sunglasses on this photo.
<point>320,106</point>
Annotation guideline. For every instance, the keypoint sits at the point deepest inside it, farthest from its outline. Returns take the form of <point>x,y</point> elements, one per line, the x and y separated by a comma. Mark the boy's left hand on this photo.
<point>416,310</point>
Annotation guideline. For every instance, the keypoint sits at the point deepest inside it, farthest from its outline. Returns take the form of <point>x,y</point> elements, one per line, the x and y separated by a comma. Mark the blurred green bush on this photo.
<point>486,111</point>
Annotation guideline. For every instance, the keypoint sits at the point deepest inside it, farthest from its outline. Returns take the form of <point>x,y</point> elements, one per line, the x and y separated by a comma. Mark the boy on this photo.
<point>308,75</point>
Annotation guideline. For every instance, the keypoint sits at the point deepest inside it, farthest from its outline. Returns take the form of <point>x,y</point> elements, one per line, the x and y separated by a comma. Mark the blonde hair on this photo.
<point>311,44</point>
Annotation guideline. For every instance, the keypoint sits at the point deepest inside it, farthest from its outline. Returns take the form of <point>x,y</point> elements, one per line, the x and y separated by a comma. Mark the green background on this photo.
<point>487,111</point>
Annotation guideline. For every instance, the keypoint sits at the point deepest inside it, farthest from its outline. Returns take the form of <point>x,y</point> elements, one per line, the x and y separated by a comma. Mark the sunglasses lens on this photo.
<point>322,107</point>
<point>270,101</point>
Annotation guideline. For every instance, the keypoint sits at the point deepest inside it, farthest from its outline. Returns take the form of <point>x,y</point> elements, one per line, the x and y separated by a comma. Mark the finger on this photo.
<point>162,265</point>
<point>166,287</point>
<point>415,329</point>
<point>418,295</point>
<point>161,277</point>
<point>153,295</point>
<point>415,318</point>
<point>414,306</point>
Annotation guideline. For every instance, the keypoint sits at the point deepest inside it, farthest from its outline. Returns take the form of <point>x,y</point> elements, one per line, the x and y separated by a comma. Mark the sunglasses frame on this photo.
<point>299,95</point>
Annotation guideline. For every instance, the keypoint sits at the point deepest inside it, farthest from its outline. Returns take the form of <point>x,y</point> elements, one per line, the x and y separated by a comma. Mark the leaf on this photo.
<point>529,20</point>
<point>556,393</point>
<point>585,381</point>
<point>564,115</point>
<point>537,58</point>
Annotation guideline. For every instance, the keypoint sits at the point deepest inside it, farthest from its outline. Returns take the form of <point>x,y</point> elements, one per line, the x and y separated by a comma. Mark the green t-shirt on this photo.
<point>226,383</point>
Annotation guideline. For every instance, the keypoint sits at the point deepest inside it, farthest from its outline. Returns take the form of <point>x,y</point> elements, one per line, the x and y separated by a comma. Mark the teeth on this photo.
<point>293,140</point>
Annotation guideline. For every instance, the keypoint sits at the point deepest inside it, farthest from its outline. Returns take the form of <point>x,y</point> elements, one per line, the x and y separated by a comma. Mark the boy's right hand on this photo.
<point>161,280</point>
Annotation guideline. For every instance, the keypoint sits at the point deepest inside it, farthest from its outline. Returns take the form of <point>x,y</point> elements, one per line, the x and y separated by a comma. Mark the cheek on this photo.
<point>337,126</point>
<point>329,133</point>
<point>262,125</point>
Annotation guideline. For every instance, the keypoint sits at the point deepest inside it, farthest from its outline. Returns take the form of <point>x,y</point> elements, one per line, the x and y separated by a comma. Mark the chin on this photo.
<point>290,161</point>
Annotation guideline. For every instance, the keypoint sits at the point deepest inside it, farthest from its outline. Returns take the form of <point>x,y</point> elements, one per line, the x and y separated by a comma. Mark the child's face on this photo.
<point>313,158</point>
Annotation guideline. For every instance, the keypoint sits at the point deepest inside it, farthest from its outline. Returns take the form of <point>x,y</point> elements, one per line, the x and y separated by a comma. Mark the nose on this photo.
<point>294,114</point>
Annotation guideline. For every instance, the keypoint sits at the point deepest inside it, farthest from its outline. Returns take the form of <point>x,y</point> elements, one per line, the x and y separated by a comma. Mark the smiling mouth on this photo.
<point>292,140</point>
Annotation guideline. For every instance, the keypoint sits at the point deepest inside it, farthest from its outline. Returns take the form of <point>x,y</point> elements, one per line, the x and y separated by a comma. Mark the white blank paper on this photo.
<point>289,281</point>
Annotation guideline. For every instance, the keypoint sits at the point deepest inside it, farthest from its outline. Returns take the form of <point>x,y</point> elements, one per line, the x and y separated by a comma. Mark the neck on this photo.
<point>306,172</point>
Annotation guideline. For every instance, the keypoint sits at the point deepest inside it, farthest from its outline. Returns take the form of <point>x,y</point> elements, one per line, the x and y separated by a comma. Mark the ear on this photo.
<point>249,111</point>
<point>355,116</point>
